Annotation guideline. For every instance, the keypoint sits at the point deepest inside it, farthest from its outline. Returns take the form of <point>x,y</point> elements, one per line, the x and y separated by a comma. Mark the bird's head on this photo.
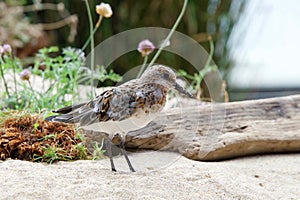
<point>164,76</point>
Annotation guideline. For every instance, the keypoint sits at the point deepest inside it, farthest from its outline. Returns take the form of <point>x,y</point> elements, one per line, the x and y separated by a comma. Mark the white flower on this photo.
<point>104,9</point>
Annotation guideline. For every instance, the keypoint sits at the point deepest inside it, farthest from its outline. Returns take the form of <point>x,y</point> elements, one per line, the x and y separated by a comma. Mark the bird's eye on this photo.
<point>166,76</point>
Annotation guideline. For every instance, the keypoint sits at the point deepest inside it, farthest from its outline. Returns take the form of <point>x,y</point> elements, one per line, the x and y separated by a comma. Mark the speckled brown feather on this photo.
<point>136,97</point>
<point>117,104</point>
<point>123,102</point>
<point>124,108</point>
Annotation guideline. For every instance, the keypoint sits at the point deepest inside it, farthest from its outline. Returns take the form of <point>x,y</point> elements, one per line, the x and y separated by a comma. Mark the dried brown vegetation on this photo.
<point>29,137</point>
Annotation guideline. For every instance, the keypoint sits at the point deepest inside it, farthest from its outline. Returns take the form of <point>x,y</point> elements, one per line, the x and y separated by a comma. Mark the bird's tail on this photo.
<point>65,118</point>
<point>81,114</point>
<point>51,118</point>
<point>68,109</point>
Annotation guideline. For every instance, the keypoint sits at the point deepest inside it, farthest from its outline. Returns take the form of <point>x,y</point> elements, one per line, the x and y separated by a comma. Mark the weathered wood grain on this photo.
<point>227,130</point>
<point>224,130</point>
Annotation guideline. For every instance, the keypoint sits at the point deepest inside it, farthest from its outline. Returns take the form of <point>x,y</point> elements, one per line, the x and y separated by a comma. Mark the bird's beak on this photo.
<point>182,90</point>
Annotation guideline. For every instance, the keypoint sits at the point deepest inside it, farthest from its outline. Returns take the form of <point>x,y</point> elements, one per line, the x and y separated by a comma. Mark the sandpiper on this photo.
<point>127,107</point>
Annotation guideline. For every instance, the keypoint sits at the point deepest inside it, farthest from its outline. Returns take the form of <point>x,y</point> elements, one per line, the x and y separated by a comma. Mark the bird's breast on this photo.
<point>134,122</point>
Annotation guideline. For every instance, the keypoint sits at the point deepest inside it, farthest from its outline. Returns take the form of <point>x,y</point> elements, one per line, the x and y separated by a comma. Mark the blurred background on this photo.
<point>256,41</point>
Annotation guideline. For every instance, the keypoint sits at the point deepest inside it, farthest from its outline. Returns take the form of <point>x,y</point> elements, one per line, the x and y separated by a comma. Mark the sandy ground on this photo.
<point>160,175</point>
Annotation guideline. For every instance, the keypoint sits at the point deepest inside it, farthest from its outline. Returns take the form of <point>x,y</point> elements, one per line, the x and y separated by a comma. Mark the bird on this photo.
<point>124,108</point>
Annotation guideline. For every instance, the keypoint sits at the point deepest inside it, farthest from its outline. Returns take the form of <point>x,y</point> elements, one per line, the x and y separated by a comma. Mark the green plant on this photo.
<point>197,78</point>
<point>35,127</point>
<point>9,67</point>
<point>60,72</point>
<point>79,136</point>
<point>66,72</point>
<point>104,10</point>
<point>146,47</point>
<point>81,151</point>
<point>98,152</point>
<point>61,75</point>
<point>52,154</point>
<point>47,137</point>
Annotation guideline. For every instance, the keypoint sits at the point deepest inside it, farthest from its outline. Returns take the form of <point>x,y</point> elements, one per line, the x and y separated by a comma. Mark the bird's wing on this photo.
<point>115,104</point>
<point>85,113</point>
<point>68,109</point>
<point>133,99</point>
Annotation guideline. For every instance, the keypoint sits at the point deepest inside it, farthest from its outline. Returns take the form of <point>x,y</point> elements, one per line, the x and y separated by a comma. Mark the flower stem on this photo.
<point>3,78</point>
<point>143,67</point>
<point>94,31</point>
<point>14,71</point>
<point>207,67</point>
<point>170,33</point>
<point>211,46</point>
<point>33,93</point>
<point>91,38</point>
<point>99,22</point>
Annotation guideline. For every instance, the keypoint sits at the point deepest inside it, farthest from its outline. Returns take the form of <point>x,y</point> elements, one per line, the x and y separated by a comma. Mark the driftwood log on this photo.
<point>224,130</point>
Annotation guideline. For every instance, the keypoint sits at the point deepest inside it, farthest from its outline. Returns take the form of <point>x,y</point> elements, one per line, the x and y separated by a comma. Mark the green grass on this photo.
<point>98,152</point>
<point>52,154</point>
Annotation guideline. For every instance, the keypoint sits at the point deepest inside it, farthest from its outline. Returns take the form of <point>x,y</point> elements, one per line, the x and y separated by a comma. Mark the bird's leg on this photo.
<point>122,147</point>
<point>109,153</point>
